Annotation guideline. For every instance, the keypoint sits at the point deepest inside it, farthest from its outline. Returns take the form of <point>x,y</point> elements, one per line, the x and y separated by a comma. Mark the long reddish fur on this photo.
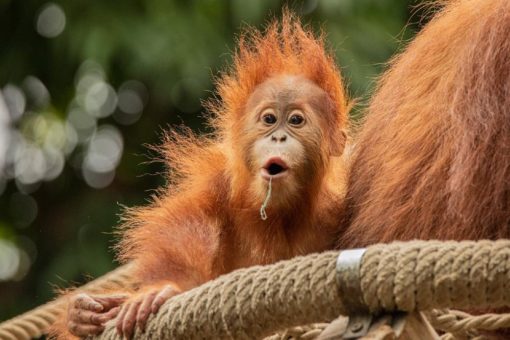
<point>205,222</point>
<point>432,160</point>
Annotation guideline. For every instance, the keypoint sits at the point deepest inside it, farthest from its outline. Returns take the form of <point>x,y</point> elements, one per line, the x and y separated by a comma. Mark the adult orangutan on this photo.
<point>432,160</point>
<point>268,186</point>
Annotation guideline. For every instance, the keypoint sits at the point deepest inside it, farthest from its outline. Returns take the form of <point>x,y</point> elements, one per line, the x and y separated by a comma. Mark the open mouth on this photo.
<point>275,167</point>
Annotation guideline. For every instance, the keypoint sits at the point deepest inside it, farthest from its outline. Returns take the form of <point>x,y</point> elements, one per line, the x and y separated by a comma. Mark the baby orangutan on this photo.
<point>267,186</point>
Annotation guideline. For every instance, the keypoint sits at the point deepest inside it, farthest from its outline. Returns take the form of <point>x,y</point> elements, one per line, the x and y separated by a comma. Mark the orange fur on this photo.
<point>432,160</point>
<point>284,48</point>
<point>206,222</point>
<point>58,329</point>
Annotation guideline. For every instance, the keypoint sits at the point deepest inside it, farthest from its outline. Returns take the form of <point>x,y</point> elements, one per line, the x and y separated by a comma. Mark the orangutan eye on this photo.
<point>269,118</point>
<point>296,120</point>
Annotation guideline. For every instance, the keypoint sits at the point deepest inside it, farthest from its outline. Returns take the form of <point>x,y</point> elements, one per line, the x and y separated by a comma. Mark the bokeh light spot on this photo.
<point>4,135</point>
<point>98,180</point>
<point>30,164</point>
<point>23,266</point>
<point>89,73</point>
<point>9,260</point>
<point>130,102</point>
<point>71,138</point>
<point>132,98</point>
<point>15,100</point>
<point>84,124</point>
<point>103,154</point>
<point>36,91</point>
<point>23,209</point>
<point>100,99</point>
<point>28,246</point>
<point>54,163</point>
<point>51,20</point>
<point>104,149</point>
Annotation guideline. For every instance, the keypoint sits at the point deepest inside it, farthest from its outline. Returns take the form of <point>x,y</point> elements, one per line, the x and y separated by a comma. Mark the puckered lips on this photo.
<point>274,168</point>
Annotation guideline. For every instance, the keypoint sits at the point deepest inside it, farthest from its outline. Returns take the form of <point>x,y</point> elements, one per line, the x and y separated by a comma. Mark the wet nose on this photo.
<point>279,136</point>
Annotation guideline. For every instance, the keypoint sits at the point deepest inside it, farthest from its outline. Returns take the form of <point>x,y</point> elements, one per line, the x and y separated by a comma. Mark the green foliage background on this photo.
<point>174,48</point>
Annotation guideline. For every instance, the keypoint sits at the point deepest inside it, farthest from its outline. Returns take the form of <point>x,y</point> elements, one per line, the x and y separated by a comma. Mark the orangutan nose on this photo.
<point>278,136</point>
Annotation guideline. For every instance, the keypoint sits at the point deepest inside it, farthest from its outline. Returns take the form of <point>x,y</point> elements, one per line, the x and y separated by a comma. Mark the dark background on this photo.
<point>84,85</point>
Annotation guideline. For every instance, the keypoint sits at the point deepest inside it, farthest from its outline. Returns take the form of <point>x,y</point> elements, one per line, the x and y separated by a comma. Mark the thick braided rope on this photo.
<point>464,325</point>
<point>261,300</point>
<point>35,323</point>
<point>307,332</point>
<point>258,301</point>
<point>251,303</point>
<point>423,275</point>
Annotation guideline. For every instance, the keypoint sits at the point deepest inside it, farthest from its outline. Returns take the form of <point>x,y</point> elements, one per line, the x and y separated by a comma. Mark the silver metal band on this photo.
<point>348,266</point>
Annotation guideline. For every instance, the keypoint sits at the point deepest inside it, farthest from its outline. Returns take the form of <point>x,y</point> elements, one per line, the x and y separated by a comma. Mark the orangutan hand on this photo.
<point>137,309</point>
<point>87,314</point>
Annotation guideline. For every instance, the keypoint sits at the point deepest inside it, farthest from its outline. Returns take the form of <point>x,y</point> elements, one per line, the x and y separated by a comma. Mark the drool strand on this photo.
<point>263,214</point>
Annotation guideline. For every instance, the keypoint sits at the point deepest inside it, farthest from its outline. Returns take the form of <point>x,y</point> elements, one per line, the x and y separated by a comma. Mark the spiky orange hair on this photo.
<point>286,46</point>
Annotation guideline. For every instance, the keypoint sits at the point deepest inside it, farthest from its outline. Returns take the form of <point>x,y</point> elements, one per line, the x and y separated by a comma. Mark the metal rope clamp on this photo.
<point>348,265</point>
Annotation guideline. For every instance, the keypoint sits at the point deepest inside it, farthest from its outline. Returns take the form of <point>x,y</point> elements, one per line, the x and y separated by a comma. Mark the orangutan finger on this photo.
<point>145,310</point>
<point>120,318</point>
<point>85,301</point>
<point>82,316</point>
<point>110,315</point>
<point>111,301</point>
<point>129,323</point>
<point>162,296</point>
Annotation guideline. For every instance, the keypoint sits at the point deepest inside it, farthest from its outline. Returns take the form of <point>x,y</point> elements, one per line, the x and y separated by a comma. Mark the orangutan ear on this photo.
<point>337,144</point>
